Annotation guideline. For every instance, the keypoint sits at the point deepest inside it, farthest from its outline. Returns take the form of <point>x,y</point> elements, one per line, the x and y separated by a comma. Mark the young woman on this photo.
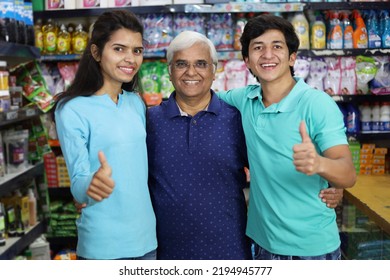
<point>101,127</point>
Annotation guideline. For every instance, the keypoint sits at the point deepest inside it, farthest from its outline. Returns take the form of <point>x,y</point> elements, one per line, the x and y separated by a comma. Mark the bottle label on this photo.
<point>50,41</point>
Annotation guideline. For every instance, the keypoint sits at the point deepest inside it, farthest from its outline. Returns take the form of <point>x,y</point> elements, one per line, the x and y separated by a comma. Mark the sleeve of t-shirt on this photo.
<point>327,122</point>
<point>73,135</point>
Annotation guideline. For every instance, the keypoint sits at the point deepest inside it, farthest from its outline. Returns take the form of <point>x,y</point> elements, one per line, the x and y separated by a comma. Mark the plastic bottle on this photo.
<point>2,225</point>
<point>365,117</point>
<point>20,23</point>
<point>49,33</point>
<point>28,19</point>
<point>376,117</point>
<point>301,27</point>
<point>360,39</point>
<point>4,77</point>
<point>347,32</point>
<point>336,33</point>
<point>79,40</point>
<point>384,119</point>
<point>240,24</point>
<point>374,38</point>
<point>38,35</point>
<point>32,207</point>
<point>353,125</point>
<point>63,41</point>
<point>318,34</point>
<point>385,21</point>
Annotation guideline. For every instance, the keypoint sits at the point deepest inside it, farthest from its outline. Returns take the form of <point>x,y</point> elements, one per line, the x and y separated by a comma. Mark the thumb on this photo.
<point>103,161</point>
<point>303,132</point>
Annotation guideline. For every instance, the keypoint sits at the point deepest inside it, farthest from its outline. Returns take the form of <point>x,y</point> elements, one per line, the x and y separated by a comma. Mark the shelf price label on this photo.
<point>12,115</point>
<point>30,112</point>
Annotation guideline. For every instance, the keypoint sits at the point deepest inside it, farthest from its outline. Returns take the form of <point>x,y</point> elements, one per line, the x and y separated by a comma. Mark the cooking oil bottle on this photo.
<point>38,34</point>
<point>79,40</point>
<point>63,41</point>
<point>49,32</point>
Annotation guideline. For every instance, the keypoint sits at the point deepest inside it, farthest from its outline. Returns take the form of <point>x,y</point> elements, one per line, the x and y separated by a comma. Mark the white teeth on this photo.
<point>191,82</point>
<point>127,69</point>
<point>268,65</point>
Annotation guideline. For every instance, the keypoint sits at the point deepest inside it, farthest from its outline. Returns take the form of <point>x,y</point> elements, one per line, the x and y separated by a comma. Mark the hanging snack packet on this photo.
<point>365,72</point>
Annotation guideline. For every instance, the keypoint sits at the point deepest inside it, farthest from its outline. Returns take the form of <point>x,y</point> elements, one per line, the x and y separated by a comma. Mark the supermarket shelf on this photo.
<point>361,98</point>
<point>245,7</point>
<point>96,12</point>
<point>372,136</point>
<point>344,52</point>
<point>60,193</point>
<point>13,181</point>
<point>348,6</point>
<point>18,53</point>
<point>15,116</point>
<point>15,245</point>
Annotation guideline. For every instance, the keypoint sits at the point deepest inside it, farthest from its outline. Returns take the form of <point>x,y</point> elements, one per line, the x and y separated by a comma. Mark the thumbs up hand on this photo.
<point>102,184</point>
<point>306,158</point>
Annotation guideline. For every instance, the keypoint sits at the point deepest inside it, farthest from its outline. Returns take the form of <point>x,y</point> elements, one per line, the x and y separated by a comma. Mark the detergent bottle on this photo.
<point>374,39</point>
<point>336,32</point>
<point>318,33</point>
<point>301,26</point>
<point>347,32</point>
<point>386,29</point>
<point>360,39</point>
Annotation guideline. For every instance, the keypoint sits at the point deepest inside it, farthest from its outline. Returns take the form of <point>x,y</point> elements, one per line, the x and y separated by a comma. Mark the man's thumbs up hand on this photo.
<point>303,132</point>
<point>102,184</point>
<point>306,159</point>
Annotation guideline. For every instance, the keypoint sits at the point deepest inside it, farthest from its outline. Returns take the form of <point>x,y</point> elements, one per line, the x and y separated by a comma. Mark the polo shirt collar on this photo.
<point>288,103</point>
<point>173,109</point>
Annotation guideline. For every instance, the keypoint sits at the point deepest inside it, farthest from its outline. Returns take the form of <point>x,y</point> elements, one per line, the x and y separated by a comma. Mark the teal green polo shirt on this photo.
<point>285,214</point>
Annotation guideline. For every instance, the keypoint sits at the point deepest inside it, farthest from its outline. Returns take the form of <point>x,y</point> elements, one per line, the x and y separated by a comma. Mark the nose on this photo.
<point>267,52</point>
<point>191,69</point>
<point>129,57</point>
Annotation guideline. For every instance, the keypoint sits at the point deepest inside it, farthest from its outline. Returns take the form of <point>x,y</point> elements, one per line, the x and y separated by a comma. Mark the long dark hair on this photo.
<point>89,78</point>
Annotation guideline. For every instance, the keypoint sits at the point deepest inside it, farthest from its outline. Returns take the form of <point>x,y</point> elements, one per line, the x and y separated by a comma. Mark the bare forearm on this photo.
<point>340,172</point>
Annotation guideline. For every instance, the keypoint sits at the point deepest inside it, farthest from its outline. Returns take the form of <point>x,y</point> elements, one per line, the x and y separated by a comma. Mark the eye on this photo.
<point>201,64</point>
<point>181,65</point>
<point>118,49</point>
<point>139,51</point>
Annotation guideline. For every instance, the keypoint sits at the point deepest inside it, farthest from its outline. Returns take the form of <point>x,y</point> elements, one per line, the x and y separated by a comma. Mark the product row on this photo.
<point>18,212</point>
<point>330,29</point>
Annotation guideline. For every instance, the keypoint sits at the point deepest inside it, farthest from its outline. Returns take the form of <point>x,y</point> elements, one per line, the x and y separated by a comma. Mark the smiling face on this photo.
<point>269,58</point>
<point>193,82</point>
<point>121,59</point>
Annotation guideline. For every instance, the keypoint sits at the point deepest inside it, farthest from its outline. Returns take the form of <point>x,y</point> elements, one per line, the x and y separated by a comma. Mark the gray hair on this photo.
<point>187,39</point>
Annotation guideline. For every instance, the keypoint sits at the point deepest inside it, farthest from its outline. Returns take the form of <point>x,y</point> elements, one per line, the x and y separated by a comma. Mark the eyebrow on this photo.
<point>273,42</point>
<point>184,60</point>
<point>124,46</point>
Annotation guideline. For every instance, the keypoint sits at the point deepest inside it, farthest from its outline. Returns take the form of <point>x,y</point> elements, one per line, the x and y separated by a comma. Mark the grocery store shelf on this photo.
<point>15,245</point>
<point>16,54</point>
<point>15,116</point>
<point>13,181</point>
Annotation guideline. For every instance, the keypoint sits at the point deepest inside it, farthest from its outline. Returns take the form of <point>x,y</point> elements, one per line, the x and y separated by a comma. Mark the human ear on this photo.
<point>95,52</point>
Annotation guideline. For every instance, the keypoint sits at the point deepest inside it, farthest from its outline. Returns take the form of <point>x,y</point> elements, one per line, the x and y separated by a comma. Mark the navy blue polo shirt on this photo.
<point>196,180</point>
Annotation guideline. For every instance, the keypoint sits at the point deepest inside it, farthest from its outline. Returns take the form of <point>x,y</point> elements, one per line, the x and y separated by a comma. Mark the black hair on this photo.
<point>257,26</point>
<point>89,78</point>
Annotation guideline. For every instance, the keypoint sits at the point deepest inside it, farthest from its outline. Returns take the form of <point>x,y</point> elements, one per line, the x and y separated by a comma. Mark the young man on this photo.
<point>296,144</point>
